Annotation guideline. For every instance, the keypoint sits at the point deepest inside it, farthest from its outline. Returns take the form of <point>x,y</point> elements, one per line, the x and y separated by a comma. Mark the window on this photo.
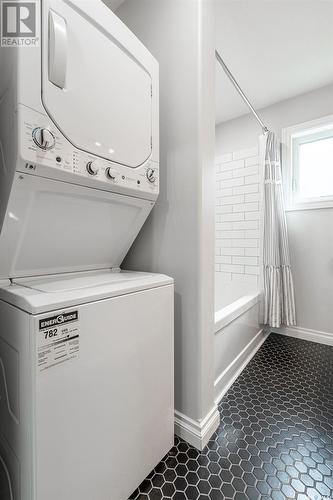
<point>308,164</point>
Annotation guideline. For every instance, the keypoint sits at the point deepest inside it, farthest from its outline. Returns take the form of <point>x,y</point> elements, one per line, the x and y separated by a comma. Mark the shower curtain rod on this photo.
<point>239,90</point>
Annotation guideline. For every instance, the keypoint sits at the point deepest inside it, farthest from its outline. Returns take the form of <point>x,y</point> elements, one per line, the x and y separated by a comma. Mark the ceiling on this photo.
<point>276,49</point>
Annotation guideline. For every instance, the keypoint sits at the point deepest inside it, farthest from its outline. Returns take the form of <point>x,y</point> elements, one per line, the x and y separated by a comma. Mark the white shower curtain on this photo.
<point>279,301</point>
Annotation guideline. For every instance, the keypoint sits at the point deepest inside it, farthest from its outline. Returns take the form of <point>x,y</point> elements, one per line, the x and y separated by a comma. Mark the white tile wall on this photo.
<point>238,196</point>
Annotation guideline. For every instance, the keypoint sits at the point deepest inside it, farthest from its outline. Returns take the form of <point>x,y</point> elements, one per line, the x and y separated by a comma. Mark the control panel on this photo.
<point>45,151</point>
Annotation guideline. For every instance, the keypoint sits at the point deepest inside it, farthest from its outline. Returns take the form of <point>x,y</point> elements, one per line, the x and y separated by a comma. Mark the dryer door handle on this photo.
<point>57,49</point>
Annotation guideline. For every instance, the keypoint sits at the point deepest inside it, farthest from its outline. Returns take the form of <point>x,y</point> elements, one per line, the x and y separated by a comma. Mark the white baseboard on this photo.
<point>306,334</point>
<point>197,432</point>
<point>229,375</point>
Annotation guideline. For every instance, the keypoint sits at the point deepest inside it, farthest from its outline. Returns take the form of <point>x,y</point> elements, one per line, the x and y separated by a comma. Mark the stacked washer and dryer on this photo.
<point>86,350</point>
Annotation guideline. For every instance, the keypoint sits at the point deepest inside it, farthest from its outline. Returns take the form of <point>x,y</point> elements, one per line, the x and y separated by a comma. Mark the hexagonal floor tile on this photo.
<point>275,440</point>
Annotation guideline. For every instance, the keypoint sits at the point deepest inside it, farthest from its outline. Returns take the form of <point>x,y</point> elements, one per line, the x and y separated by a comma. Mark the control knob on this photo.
<point>151,175</point>
<point>110,174</point>
<point>92,168</point>
<point>44,138</point>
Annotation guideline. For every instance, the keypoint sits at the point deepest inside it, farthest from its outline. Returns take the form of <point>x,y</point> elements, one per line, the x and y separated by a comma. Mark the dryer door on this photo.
<point>94,87</point>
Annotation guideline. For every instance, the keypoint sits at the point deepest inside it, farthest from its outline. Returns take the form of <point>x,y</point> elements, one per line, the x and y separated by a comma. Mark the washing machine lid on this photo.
<point>52,293</point>
<point>81,281</point>
<point>97,81</point>
<point>54,227</point>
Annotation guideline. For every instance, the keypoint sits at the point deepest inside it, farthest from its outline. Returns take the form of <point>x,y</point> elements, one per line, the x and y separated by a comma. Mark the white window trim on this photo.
<point>288,134</point>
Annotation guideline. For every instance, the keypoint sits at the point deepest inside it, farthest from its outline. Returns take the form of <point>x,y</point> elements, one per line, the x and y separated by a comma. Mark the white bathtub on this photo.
<point>237,330</point>
<point>233,298</point>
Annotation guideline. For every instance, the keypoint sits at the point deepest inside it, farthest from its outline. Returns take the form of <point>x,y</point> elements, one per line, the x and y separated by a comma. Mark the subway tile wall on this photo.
<point>238,200</point>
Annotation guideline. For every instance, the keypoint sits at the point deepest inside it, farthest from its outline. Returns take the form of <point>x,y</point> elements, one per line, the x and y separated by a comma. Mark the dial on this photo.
<point>151,176</point>
<point>110,174</point>
<point>92,168</point>
<point>44,138</point>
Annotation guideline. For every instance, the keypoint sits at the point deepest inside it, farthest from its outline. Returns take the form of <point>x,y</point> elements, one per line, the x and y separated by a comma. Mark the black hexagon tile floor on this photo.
<point>275,440</point>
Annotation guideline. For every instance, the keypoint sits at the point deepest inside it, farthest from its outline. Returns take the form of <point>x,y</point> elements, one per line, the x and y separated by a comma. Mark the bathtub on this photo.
<point>232,299</point>
<point>237,333</point>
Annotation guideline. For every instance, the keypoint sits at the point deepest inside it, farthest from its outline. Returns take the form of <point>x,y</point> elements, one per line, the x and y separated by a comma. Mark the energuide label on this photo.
<point>58,339</point>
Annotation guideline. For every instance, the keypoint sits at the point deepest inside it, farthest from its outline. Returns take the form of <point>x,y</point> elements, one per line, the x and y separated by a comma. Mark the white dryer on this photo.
<point>86,350</point>
<point>79,142</point>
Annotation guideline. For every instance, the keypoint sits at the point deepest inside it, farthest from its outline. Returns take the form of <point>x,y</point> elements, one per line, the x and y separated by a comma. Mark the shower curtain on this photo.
<point>279,300</point>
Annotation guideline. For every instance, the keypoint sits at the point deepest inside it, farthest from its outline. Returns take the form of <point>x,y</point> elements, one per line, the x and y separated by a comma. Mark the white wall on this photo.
<point>178,238</point>
<point>237,220</point>
<point>310,231</point>
<point>113,4</point>
<point>243,132</point>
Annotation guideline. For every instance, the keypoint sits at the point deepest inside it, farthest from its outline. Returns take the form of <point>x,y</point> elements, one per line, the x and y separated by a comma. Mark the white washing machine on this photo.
<point>86,350</point>
<point>87,383</point>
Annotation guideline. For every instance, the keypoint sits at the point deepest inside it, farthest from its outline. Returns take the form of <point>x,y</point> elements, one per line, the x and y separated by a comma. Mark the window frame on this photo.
<point>301,134</point>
